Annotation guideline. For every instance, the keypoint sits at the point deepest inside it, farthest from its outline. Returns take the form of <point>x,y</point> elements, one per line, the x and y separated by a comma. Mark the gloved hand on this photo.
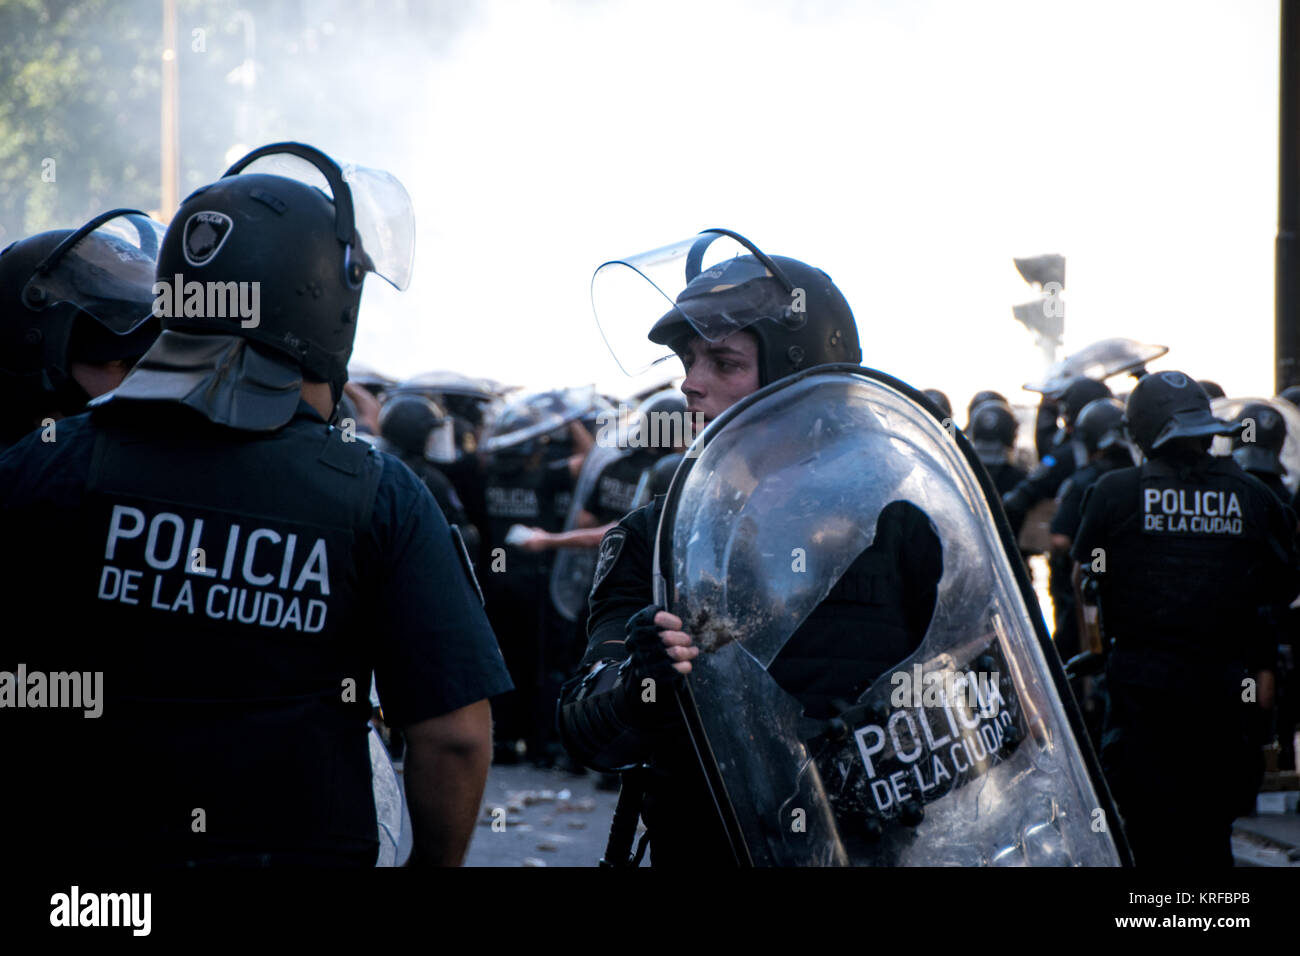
<point>657,652</point>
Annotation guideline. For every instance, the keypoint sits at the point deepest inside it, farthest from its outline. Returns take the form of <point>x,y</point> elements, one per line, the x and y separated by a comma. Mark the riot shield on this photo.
<point>1100,360</point>
<point>1229,409</point>
<point>532,416</point>
<point>970,751</point>
<point>571,574</point>
<point>445,382</point>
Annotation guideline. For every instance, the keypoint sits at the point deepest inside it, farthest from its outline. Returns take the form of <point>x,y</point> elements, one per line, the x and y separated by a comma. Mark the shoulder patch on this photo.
<point>610,547</point>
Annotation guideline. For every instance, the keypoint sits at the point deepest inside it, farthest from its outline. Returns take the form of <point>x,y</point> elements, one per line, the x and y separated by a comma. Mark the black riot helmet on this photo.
<point>988,395</point>
<point>262,274</point>
<point>1258,446</point>
<point>660,423</point>
<point>714,285</point>
<point>1292,394</point>
<point>1168,405</point>
<point>418,427</point>
<point>1079,393</point>
<point>1100,425</point>
<point>1211,388</point>
<point>72,295</point>
<point>657,479</point>
<point>992,430</point>
<point>940,401</point>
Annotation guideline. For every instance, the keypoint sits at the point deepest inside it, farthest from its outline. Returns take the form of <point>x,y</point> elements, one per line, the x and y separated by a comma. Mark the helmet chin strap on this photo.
<point>336,393</point>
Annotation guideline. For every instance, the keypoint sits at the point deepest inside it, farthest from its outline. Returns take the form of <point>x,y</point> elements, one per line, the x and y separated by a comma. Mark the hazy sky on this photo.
<point>908,148</point>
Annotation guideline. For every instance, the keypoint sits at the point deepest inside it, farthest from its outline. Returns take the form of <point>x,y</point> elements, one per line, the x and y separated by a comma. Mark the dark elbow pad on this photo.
<point>591,724</point>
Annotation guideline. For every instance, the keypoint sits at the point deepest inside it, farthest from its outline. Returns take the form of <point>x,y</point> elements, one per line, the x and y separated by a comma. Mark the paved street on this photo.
<point>552,818</point>
<point>533,817</point>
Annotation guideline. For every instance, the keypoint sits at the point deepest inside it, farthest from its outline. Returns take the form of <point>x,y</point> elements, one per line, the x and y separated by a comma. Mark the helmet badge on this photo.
<point>205,234</point>
<point>1176,379</point>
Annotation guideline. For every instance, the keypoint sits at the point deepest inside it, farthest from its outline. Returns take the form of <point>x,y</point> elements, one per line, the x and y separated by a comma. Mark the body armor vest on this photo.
<point>1183,574</point>
<point>228,569</point>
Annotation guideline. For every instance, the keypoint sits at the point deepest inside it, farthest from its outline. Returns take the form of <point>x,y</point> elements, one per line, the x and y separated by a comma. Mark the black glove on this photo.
<point>647,705</point>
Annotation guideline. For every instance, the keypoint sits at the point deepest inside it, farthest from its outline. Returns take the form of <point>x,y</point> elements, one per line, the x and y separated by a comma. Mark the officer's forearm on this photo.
<point>588,538</point>
<point>446,769</point>
<point>1264,684</point>
<point>593,724</point>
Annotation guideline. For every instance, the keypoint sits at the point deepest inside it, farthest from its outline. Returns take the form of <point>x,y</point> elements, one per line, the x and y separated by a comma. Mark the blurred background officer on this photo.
<point>1100,428</point>
<point>1257,446</point>
<point>1065,454</point>
<point>992,431</point>
<point>472,404</point>
<point>75,315</point>
<point>1185,551</point>
<point>978,399</point>
<point>532,458</point>
<point>420,433</point>
<point>888,592</point>
<point>940,400</point>
<point>236,568</point>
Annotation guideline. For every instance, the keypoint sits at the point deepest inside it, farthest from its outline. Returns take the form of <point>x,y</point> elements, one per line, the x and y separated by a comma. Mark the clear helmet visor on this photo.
<point>382,214</point>
<point>440,446</point>
<point>106,269</point>
<point>1099,361</point>
<point>712,284</point>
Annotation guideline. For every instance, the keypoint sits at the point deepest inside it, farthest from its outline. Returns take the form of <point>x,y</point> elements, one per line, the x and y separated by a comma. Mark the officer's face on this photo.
<point>99,377</point>
<point>718,374</point>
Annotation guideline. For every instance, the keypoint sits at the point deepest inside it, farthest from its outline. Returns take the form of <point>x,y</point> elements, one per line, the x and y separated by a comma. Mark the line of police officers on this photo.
<point>237,567</point>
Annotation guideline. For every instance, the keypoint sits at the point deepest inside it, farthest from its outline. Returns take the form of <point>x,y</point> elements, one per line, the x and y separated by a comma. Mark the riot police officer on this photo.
<point>992,431</point>
<point>75,315</point>
<point>1257,447</point>
<point>735,330</point>
<point>1065,455</point>
<point>1184,550</point>
<point>534,454</point>
<point>941,401</point>
<point>421,434</point>
<point>1100,428</point>
<point>471,404</point>
<point>231,569</point>
<point>979,398</point>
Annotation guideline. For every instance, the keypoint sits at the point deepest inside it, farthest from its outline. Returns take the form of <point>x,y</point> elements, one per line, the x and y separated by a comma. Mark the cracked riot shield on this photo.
<point>969,752</point>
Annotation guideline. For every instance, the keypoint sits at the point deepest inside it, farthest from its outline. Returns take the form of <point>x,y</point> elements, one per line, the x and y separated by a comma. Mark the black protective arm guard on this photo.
<point>592,722</point>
